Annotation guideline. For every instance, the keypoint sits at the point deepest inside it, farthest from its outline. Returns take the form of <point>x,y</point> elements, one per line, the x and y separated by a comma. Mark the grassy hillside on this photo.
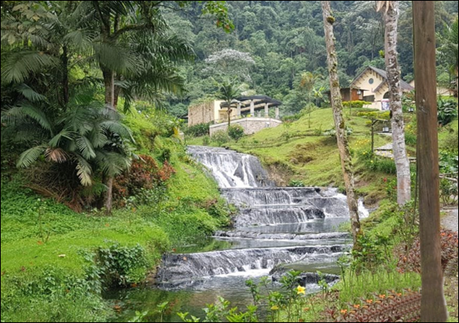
<point>300,151</point>
<point>56,262</point>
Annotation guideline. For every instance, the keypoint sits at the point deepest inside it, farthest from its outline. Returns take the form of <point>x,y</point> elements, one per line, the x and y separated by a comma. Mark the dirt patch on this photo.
<point>280,173</point>
<point>303,153</point>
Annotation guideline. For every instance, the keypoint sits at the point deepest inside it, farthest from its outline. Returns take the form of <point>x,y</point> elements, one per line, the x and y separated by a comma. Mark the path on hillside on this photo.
<point>450,221</point>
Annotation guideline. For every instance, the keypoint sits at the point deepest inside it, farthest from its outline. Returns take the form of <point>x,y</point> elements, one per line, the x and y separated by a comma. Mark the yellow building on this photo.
<point>373,82</point>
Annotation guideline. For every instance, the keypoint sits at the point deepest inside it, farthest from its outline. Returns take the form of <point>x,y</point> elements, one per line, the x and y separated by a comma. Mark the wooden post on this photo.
<point>373,122</point>
<point>433,308</point>
<point>266,110</point>
<point>252,108</point>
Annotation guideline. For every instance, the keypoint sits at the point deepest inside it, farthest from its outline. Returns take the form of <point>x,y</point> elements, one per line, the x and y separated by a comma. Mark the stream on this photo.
<point>277,227</point>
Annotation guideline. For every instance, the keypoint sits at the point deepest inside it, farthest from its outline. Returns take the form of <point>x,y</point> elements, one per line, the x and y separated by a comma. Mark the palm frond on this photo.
<point>85,147</point>
<point>29,156</point>
<point>55,141</point>
<point>118,128</point>
<point>38,115</point>
<point>112,163</point>
<point>116,58</point>
<point>80,39</point>
<point>97,137</point>
<point>56,155</point>
<point>19,65</point>
<point>30,94</point>
<point>84,171</point>
<point>79,119</point>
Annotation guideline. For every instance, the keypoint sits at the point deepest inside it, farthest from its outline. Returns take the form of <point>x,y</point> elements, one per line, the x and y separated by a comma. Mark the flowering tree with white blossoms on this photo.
<point>230,63</point>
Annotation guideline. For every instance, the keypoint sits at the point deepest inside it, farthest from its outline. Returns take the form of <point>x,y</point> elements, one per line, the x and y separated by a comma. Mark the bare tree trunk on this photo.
<point>433,307</point>
<point>65,75</point>
<point>108,196</point>
<point>337,105</point>
<point>402,163</point>
<point>109,82</point>
<point>229,117</point>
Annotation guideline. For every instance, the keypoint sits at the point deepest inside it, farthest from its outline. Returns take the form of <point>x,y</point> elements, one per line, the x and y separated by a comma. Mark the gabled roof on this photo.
<point>405,86</point>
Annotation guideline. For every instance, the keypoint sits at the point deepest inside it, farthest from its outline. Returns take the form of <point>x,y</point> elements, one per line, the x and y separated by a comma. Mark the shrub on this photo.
<point>448,162</point>
<point>448,191</point>
<point>451,142</point>
<point>332,132</point>
<point>206,140</point>
<point>385,307</point>
<point>296,183</point>
<point>411,260</point>
<point>197,130</point>
<point>410,139</point>
<point>355,104</point>
<point>236,132</point>
<point>144,174</point>
<point>121,265</point>
<point>446,111</point>
<point>220,137</point>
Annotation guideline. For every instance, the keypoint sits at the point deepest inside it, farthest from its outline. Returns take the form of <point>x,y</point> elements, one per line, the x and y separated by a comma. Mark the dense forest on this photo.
<point>286,40</point>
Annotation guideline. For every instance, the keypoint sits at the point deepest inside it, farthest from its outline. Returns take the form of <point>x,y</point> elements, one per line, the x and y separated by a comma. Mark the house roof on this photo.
<point>405,86</point>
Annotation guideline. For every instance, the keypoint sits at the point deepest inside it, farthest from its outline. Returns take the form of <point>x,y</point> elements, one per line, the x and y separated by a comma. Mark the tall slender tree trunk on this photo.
<point>402,163</point>
<point>337,105</point>
<point>108,78</point>
<point>65,75</point>
<point>433,307</point>
<point>109,82</point>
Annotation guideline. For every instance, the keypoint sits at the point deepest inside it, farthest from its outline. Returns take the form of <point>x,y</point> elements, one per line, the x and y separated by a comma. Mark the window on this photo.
<point>371,81</point>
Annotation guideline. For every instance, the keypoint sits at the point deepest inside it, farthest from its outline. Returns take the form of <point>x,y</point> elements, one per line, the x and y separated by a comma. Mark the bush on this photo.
<point>446,111</point>
<point>448,162</point>
<point>410,261</point>
<point>220,137</point>
<point>121,265</point>
<point>144,174</point>
<point>296,183</point>
<point>448,192</point>
<point>355,104</point>
<point>236,132</point>
<point>332,132</point>
<point>197,130</point>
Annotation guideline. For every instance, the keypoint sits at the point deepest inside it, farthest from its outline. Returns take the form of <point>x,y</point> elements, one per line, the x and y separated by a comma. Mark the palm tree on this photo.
<point>228,92</point>
<point>391,13</point>
<point>88,138</point>
<point>135,50</point>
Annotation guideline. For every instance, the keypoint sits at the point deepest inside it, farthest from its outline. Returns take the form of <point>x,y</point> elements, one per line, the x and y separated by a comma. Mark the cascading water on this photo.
<point>275,225</point>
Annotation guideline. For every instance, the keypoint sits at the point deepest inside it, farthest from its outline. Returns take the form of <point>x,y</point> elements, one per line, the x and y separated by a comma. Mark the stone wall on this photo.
<point>251,125</point>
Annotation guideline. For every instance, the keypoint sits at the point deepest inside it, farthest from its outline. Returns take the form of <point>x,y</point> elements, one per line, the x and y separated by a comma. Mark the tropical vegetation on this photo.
<point>97,184</point>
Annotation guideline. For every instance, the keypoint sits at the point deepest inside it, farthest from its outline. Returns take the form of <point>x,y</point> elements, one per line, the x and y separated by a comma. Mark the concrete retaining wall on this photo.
<point>251,125</point>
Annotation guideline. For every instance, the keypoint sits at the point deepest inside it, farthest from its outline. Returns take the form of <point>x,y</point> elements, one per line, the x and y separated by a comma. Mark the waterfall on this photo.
<point>275,225</point>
